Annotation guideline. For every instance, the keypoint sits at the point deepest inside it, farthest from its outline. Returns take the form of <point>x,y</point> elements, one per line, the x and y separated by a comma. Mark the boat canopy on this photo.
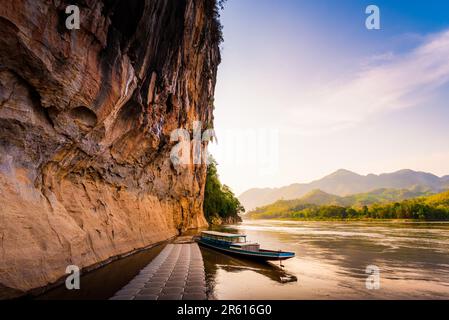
<point>223,235</point>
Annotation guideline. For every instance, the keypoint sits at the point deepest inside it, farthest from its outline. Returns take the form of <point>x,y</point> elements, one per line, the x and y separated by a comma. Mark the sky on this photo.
<point>305,89</point>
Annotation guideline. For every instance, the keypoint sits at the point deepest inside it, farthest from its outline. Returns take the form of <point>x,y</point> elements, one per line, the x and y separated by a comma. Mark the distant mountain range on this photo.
<point>321,198</point>
<point>378,204</point>
<point>344,183</point>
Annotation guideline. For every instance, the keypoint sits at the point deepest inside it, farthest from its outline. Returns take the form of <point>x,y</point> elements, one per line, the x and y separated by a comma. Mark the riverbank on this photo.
<point>219,221</point>
<point>348,220</point>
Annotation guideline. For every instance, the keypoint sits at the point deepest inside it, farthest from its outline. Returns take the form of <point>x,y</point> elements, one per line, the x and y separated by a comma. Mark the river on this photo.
<point>330,263</point>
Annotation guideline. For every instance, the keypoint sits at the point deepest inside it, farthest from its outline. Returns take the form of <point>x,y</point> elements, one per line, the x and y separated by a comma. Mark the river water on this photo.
<point>331,261</point>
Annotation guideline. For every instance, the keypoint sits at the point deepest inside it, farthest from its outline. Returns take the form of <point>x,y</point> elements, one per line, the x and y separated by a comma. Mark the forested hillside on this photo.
<point>433,207</point>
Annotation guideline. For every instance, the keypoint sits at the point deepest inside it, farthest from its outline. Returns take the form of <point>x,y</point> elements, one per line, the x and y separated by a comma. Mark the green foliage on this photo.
<point>435,207</point>
<point>219,200</point>
<point>382,196</point>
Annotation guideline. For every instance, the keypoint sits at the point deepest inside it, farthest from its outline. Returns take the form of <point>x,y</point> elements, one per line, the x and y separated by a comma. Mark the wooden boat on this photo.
<point>237,244</point>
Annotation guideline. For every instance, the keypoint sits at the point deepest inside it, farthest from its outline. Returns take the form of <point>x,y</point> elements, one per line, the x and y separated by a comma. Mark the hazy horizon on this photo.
<point>324,93</point>
<point>341,169</point>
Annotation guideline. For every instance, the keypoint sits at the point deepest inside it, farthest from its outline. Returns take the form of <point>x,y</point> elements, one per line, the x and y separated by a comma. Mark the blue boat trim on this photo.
<point>214,241</point>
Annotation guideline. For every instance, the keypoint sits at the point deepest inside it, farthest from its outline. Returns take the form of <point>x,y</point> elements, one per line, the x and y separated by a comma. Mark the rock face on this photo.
<point>85,123</point>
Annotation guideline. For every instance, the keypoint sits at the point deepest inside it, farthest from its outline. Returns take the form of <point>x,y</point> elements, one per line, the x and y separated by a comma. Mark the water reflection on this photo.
<point>331,260</point>
<point>330,263</point>
<point>101,284</point>
<point>214,260</point>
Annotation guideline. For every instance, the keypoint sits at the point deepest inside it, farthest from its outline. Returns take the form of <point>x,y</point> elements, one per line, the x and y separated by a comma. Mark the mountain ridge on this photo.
<point>344,182</point>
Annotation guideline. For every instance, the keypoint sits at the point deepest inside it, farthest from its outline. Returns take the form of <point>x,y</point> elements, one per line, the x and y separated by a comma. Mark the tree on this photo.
<point>219,200</point>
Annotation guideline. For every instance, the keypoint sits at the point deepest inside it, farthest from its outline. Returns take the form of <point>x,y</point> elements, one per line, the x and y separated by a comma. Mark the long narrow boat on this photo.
<point>237,244</point>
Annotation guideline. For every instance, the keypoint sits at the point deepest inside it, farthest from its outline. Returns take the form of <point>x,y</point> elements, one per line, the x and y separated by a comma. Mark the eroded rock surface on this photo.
<point>85,123</point>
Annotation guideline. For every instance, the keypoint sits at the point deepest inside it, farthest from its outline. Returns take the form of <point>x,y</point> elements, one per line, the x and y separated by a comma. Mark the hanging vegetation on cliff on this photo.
<point>220,203</point>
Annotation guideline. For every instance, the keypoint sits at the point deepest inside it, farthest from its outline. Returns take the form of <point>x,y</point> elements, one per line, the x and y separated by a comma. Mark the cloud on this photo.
<point>378,58</point>
<point>388,82</point>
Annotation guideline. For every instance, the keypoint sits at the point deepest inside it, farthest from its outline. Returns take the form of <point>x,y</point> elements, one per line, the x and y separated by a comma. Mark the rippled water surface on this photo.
<point>330,263</point>
<point>331,260</point>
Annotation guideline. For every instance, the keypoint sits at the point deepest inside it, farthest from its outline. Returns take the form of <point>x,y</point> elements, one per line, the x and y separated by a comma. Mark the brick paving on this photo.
<point>177,273</point>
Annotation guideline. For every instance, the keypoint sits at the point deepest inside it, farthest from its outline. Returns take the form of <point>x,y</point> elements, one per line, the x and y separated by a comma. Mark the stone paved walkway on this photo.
<point>177,273</point>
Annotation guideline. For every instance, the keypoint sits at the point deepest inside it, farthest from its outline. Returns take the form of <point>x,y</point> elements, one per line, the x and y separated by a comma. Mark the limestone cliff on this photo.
<point>85,123</point>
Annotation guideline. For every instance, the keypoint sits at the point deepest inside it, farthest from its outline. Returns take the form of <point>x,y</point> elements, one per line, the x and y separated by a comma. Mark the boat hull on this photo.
<point>262,255</point>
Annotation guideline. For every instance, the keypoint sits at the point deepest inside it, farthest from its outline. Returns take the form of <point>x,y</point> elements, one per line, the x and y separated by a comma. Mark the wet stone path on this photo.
<point>177,273</point>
